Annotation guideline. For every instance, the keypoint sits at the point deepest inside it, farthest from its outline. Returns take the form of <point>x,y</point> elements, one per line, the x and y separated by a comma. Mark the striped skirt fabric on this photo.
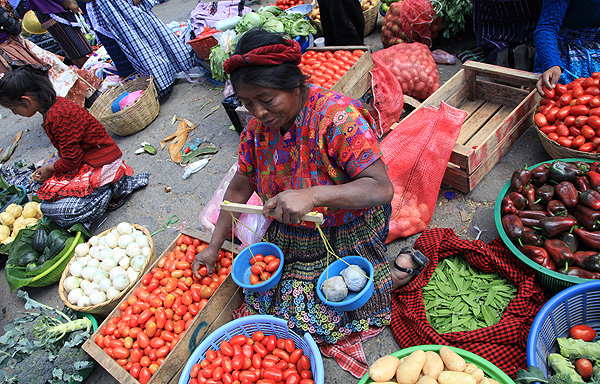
<point>69,38</point>
<point>295,297</point>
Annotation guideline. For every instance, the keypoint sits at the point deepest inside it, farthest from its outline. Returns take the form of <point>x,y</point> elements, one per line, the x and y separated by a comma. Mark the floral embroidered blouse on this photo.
<point>331,141</point>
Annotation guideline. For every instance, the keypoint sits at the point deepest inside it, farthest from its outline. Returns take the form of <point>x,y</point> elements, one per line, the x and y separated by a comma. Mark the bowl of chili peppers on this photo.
<point>548,215</point>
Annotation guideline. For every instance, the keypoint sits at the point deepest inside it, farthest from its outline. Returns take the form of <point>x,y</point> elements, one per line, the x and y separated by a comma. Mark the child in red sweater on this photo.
<point>90,176</point>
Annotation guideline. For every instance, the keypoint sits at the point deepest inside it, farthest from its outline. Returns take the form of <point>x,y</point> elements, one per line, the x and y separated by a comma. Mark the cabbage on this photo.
<point>274,25</point>
<point>249,21</point>
<point>301,27</point>
<point>217,58</point>
<point>276,11</point>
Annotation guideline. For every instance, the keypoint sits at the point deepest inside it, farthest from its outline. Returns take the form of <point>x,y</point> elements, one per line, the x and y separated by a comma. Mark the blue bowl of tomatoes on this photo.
<point>572,313</point>
<point>262,261</point>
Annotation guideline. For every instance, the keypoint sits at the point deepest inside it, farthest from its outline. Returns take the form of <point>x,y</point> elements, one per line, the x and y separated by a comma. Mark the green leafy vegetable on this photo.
<point>455,14</point>
<point>575,348</point>
<point>273,25</point>
<point>217,58</point>
<point>562,366</point>
<point>536,375</point>
<point>249,21</point>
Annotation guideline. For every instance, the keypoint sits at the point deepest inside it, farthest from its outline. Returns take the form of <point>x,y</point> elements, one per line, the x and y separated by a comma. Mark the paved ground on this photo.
<point>153,206</point>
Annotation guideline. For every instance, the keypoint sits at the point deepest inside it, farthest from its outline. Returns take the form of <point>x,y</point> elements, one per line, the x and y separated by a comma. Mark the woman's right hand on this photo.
<point>549,79</point>
<point>207,257</point>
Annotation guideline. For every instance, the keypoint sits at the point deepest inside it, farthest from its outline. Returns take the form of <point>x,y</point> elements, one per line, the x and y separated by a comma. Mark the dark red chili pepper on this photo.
<point>594,166</point>
<point>540,174</point>
<point>529,193</point>
<point>519,179</point>
<point>592,239</point>
<point>594,179</point>
<point>537,207</point>
<point>559,252</point>
<point>513,227</point>
<point>519,201</point>
<point>539,255</point>
<point>583,166</point>
<point>563,171</point>
<point>554,226</point>
<point>582,183</point>
<point>545,193</point>
<point>588,218</point>
<point>589,260</point>
<point>532,237</point>
<point>590,199</point>
<point>571,240</point>
<point>532,214</point>
<point>584,274</point>
<point>507,206</point>
<point>567,193</point>
<point>556,208</point>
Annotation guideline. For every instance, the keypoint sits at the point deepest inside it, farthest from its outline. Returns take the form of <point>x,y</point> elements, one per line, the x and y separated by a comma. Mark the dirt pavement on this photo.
<point>153,206</point>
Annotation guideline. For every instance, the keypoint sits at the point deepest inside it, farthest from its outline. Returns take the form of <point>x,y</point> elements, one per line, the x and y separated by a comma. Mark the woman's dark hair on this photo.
<point>25,81</point>
<point>282,76</point>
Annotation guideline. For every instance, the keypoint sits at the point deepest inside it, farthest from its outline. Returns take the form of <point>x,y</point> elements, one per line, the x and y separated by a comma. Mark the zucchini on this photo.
<point>52,236</point>
<point>27,257</point>
<point>45,256</point>
<point>57,246</point>
<point>38,241</point>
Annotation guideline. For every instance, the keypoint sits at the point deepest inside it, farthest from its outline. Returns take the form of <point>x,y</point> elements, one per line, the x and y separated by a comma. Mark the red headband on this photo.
<point>268,55</point>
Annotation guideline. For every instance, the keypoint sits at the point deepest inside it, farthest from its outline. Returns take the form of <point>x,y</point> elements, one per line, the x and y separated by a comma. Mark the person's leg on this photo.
<point>342,21</point>
<point>120,61</point>
<point>407,265</point>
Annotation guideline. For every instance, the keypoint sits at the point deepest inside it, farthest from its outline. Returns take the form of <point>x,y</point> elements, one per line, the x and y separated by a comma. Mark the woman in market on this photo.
<point>136,39</point>
<point>77,85</point>
<point>56,16</point>
<point>567,40</point>
<point>89,176</point>
<point>308,149</point>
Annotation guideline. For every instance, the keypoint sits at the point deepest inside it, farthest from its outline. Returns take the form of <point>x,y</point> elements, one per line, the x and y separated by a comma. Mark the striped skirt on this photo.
<point>295,297</point>
<point>70,39</point>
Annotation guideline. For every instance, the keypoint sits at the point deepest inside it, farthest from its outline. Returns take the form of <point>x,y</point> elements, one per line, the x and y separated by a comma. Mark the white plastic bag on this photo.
<point>258,224</point>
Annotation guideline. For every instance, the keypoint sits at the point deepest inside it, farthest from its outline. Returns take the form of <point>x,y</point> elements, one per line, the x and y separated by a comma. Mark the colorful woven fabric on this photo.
<point>502,344</point>
<point>295,298</point>
<point>332,140</point>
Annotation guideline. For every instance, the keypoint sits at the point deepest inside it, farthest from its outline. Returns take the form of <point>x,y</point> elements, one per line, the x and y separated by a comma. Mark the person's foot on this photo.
<point>407,265</point>
<point>117,203</point>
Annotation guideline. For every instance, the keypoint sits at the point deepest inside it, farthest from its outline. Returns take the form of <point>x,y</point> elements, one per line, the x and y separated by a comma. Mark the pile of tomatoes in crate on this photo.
<point>285,4</point>
<point>258,359</point>
<point>570,114</point>
<point>325,68</point>
<point>154,318</point>
<point>262,268</point>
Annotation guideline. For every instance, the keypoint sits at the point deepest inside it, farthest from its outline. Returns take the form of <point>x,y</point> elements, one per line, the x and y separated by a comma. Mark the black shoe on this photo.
<point>417,256</point>
<point>524,55</point>
<point>502,58</point>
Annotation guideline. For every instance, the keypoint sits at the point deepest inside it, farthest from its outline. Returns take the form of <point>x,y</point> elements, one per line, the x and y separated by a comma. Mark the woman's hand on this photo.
<point>136,2</point>
<point>549,79</point>
<point>73,7</point>
<point>43,173</point>
<point>288,206</point>
<point>207,257</point>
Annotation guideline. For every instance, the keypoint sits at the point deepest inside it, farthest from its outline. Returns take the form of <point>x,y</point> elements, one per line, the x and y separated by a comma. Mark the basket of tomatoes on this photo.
<point>285,4</point>
<point>568,119</point>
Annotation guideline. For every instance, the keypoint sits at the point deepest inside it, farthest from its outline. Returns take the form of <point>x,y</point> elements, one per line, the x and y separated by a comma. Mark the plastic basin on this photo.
<point>240,270</point>
<point>354,300</point>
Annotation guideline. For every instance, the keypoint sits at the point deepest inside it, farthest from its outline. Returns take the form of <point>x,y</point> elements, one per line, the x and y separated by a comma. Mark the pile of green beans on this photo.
<point>459,297</point>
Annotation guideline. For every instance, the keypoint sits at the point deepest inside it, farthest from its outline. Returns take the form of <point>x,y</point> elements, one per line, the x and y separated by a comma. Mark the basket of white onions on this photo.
<point>105,268</point>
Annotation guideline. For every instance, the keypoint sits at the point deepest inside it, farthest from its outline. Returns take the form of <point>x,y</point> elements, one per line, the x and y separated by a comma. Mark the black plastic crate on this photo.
<point>230,104</point>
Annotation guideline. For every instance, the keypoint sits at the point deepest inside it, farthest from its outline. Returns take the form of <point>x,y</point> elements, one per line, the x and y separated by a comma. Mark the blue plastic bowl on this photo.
<point>354,300</point>
<point>579,304</point>
<point>247,325</point>
<point>240,270</point>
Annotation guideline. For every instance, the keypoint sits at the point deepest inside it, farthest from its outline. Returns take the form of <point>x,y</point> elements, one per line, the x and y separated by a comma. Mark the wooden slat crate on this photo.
<point>501,103</point>
<point>216,312</point>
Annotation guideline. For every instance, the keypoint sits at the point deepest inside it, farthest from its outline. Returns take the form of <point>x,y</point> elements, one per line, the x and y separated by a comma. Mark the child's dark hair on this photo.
<point>26,81</point>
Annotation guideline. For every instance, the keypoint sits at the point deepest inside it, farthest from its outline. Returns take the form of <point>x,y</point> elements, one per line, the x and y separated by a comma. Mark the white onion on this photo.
<point>116,271</point>
<point>114,232</point>
<point>82,249</point>
<point>133,249</point>
<point>124,241</point>
<point>132,274</point>
<point>88,272</point>
<point>120,282</point>
<point>108,264</point>
<point>102,241</point>
<point>135,233</point>
<point>94,250</point>
<point>111,240</point>
<point>84,260</point>
<point>105,253</point>
<point>94,241</point>
<point>74,295</point>
<point>71,283</point>
<point>142,240</point>
<point>83,301</point>
<point>90,287</point>
<point>138,263</point>
<point>124,262</point>
<point>94,263</point>
<point>105,284</point>
<point>118,254</point>
<point>124,228</point>
<point>84,283</point>
<point>99,275</point>
<point>97,297</point>
<point>75,268</point>
<point>112,293</point>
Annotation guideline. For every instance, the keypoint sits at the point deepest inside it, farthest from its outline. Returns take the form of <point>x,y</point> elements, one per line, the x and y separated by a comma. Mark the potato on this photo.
<point>478,375</point>
<point>453,377</point>
<point>487,380</point>
<point>408,371</point>
<point>384,368</point>
<point>434,364</point>
<point>470,368</point>
<point>452,360</point>
<point>427,380</point>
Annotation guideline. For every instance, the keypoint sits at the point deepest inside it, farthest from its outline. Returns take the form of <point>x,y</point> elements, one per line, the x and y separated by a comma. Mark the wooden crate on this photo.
<point>500,103</point>
<point>216,312</point>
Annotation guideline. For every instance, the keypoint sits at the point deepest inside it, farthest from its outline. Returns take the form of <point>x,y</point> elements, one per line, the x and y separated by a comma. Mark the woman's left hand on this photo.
<point>288,206</point>
<point>74,7</point>
<point>43,173</point>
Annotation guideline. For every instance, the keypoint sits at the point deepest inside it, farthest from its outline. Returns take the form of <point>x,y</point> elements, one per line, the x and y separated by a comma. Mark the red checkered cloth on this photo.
<point>348,352</point>
<point>502,344</point>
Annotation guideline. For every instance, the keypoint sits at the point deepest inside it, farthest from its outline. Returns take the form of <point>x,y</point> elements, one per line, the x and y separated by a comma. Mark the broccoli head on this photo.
<point>70,360</point>
<point>34,369</point>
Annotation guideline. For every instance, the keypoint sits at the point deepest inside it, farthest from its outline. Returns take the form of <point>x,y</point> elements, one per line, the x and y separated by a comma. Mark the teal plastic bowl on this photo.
<point>354,300</point>
<point>240,269</point>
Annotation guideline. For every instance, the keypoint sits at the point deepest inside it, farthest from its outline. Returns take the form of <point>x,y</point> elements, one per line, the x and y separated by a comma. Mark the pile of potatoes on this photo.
<point>428,367</point>
<point>16,217</point>
<point>315,13</point>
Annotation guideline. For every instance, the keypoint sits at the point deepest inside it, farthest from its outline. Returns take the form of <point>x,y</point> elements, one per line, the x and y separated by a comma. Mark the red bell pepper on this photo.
<point>519,201</point>
<point>559,252</point>
<point>567,193</point>
<point>592,239</point>
<point>519,179</point>
<point>540,174</point>
<point>594,166</point>
<point>589,260</point>
<point>513,227</point>
<point>529,193</point>
<point>539,255</point>
<point>594,179</point>
<point>590,198</point>
<point>556,208</point>
<point>532,237</point>
<point>531,218</point>
<point>582,183</point>
<point>554,226</point>
<point>588,218</point>
<point>583,273</point>
<point>507,206</point>
<point>545,194</point>
<point>571,240</point>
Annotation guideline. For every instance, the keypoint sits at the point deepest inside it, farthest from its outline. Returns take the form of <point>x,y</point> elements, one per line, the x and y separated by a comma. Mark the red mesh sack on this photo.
<point>408,20</point>
<point>387,96</point>
<point>502,344</point>
<point>416,154</point>
<point>414,67</point>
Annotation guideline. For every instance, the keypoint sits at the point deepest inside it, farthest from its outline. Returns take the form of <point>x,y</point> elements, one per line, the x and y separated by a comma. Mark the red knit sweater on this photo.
<point>78,136</point>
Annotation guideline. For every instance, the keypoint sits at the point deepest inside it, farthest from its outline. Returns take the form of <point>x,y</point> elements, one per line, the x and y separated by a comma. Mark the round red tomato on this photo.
<point>583,332</point>
<point>584,368</point>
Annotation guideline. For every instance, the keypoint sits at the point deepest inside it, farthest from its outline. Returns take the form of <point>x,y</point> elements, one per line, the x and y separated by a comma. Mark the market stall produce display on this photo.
<point>325,68</point>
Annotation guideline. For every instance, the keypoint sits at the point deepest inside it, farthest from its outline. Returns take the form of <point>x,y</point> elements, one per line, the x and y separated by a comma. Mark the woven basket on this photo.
<point>370,16</point>
<point>133,118</point>
<point>105,308</point>
<point>557,151</point>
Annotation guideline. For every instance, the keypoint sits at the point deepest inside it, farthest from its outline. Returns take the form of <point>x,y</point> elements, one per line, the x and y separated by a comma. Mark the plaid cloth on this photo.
<point>70,210</point>
<point>502,344</point>
<point>119,60</point>
<point>150,46</point>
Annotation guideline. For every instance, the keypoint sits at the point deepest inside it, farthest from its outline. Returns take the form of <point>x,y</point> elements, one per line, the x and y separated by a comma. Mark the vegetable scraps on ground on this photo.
<point>44,347</point>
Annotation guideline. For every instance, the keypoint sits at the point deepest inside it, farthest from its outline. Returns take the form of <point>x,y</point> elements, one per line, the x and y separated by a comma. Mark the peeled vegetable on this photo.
<point>16,217</point>
<point>335,288</point>
<point>355,277</point>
